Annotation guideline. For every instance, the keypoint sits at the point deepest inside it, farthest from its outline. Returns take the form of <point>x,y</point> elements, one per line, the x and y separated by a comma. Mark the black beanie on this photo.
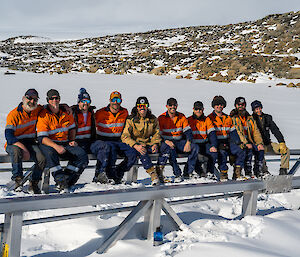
<point>256,104</point>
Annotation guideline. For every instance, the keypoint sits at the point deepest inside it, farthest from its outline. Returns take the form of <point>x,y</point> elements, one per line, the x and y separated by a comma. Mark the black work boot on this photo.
<point>101,178</point>
<point>283,171</point>
<point>34,187</point>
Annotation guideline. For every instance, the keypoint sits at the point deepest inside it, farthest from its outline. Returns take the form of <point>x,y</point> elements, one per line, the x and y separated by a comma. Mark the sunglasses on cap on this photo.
<point>142,105</point>
<point>116,99</point>
<point>171,105</point>
<point>30,98</point>
<point>54,98</point>
<point>86,101</point>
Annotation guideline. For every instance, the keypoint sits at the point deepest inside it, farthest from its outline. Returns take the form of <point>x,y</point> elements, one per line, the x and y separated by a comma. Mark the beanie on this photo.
<point>256,104</point>
<point>83,95</point>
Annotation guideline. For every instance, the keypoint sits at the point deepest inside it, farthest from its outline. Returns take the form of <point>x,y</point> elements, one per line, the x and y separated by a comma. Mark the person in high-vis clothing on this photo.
<point>228,138</point>
<point>56,135</point>
<point>174,127</point>
<point>84,118</point>
<point>205,137</point>
<point>110,122</point>
<point>21,142</point>
<point>141,132</point>
<point>250,137</point>
<point>266,124</point>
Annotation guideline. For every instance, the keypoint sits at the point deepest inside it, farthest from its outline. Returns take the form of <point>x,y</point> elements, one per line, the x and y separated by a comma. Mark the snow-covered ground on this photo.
<point>213,227</point>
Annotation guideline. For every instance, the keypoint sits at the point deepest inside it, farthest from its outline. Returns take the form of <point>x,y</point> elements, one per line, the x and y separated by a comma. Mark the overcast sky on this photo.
<point>81,18</point>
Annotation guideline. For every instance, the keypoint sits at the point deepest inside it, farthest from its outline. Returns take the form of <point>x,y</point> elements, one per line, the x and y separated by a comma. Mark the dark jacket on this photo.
<point>266,124</point>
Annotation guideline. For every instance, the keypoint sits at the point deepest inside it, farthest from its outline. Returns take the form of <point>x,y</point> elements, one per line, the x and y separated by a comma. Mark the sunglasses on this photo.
<point>54,98</point>
<point>198,109</point>
<point>241,104</point>
<point>30,98</point>
<point>116,99</point>
<point>171,105</point>
<point>86,101</point>
<point>142,105</point>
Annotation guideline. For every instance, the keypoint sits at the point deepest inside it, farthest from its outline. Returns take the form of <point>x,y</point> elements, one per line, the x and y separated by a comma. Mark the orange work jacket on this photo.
<point>173,129</point>
<point>55,126</point>
<point>108,125</point>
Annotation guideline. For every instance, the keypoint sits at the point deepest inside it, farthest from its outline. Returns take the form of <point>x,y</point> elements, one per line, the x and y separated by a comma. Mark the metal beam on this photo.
<point>56,201</point>
<point>249,203</point>
<point>171,214</point>
<point>125,226</point>
<point>13,233</point>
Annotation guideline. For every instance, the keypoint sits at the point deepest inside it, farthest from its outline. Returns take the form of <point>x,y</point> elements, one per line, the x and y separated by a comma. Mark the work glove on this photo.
<point>283,148</point>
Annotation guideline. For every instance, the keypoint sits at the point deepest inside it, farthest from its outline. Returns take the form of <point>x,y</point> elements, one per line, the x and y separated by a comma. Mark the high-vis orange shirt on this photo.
<point>21,123</point>
<point>55,126</point>
<point>84,125</point>
<point>173,129</point>
<point>200,128</point>
<point>223,125</point>
<point>108,125</point>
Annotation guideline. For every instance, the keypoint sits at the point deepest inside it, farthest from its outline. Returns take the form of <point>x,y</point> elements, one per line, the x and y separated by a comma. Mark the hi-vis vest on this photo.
<point>55,126</point>
<point>108,125</point>
<point>223,125</point>
<point>22,123</point>
<point>201,128</point>
<point>84,129</point>
<point>173,129</point>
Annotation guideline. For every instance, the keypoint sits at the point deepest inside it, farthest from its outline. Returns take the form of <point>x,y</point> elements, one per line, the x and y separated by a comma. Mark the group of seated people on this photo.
<point>44,134</point>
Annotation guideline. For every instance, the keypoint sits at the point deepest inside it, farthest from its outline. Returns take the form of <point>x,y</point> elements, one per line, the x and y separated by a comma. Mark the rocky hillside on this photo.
<point>242,51</point>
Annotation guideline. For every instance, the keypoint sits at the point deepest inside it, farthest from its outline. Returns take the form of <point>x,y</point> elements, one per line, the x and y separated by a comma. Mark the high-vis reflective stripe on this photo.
<point>55,168</point>
<point>42,134</point>
<point>26,124</point>
<point>173,129</point>
<point>223,129</point>
<point>210,130</point>
<point>73,168</point>
<point>84,129</point>
<point>10,127</point>
<point>108,134</point>
<point>26,136</point>
<point>83,136</point>
<point>199,132</point>
<point>186,128</point>
<point>110,125</point>
<point>54,131</point>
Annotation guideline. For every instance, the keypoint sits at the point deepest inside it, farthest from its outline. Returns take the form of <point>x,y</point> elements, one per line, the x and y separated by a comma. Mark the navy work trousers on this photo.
<point>78,160</point>
<point>192,157</point>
